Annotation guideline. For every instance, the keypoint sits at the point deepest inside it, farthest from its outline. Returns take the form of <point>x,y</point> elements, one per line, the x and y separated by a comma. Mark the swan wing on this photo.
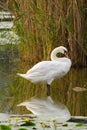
<point>47,67</point>
<point>46,71</point>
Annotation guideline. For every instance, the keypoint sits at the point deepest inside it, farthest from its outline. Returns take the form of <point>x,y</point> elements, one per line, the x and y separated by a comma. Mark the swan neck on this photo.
<point>54,54</point>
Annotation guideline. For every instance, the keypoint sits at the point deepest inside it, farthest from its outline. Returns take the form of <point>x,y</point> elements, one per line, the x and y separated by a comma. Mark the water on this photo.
<point>14,89</point>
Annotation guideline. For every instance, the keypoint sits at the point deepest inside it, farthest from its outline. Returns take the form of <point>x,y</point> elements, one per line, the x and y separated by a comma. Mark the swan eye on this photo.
<point>65,51</point>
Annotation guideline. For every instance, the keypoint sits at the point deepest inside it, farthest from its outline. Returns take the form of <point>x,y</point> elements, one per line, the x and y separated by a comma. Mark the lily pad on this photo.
<point>4,127</point>
<point>80,124</point>
<point>28,123</point>
<point>22,129</point>
<point>65,125</point>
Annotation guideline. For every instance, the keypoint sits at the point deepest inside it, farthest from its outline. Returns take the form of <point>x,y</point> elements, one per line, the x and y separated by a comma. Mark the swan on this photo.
<point>47,108</point>
<point>47,71</point>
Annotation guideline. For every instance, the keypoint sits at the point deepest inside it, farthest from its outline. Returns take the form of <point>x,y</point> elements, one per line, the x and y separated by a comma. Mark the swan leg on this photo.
<point>48,90</point>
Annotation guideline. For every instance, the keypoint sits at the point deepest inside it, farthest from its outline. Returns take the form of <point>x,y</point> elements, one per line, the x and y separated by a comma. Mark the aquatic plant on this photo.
<point>4,127</point>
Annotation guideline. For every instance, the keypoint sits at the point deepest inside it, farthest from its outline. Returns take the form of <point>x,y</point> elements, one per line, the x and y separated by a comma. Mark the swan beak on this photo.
<point>66,54</point>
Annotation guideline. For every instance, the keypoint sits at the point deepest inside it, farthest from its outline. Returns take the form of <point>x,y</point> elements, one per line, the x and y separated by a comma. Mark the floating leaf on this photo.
<point>65,125</point>
<point>4,127</point>
<point>80,124</point>
<point>22,129</point>
<point>34,128</point>
<point>28,123</point>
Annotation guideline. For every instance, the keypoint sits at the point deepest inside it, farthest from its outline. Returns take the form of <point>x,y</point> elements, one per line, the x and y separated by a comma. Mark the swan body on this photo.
<point>47,71</point>
<point>46,107</point>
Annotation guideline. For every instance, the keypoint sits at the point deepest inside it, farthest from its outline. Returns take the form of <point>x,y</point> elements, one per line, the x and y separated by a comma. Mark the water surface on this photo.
<point>14,89</point>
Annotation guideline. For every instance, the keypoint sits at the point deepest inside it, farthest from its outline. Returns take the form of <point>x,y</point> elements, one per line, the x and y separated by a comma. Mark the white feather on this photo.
<point>47,71</point>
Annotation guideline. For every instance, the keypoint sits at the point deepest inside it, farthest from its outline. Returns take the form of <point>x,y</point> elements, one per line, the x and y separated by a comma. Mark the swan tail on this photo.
<point>22,75</point>
<point>22,104</point>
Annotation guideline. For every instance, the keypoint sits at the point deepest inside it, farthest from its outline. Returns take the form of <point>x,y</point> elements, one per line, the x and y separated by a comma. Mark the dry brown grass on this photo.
<point>43,25</point>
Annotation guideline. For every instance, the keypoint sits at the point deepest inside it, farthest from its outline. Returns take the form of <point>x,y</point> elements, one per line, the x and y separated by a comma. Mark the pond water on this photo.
<point>14,89</point>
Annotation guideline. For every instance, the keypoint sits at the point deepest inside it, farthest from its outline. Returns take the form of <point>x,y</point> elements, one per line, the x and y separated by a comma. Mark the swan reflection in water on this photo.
<point>47,108</point>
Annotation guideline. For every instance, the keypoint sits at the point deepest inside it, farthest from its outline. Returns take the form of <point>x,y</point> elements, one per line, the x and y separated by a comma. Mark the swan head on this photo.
<point>60,49</point>
<point>63,50</point>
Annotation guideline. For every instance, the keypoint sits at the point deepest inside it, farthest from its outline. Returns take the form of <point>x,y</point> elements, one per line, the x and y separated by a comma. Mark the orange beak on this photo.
<point>66,54</point>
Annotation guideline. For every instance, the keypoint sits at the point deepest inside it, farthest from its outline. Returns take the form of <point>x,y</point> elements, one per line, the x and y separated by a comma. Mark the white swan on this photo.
<point>47,71</point>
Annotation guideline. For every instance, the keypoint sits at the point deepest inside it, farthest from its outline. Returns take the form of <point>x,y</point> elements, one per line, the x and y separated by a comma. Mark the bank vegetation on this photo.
<point>45,24</point>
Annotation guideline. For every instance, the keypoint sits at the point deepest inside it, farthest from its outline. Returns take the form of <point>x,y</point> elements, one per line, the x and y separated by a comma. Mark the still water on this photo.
<point>14,89</point>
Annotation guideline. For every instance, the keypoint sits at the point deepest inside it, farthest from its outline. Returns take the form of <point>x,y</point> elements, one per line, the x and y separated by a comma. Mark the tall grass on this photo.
<point>43,25</point>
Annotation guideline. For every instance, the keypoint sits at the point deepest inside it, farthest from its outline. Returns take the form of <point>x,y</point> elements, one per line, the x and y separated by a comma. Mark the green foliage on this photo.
<point>28,123</point>
<point>16,5</point>
<point>80,124</point>
<point>22,129</point>
<point>20,30</point>
<point>4,127</point>
<point>65,125</point>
